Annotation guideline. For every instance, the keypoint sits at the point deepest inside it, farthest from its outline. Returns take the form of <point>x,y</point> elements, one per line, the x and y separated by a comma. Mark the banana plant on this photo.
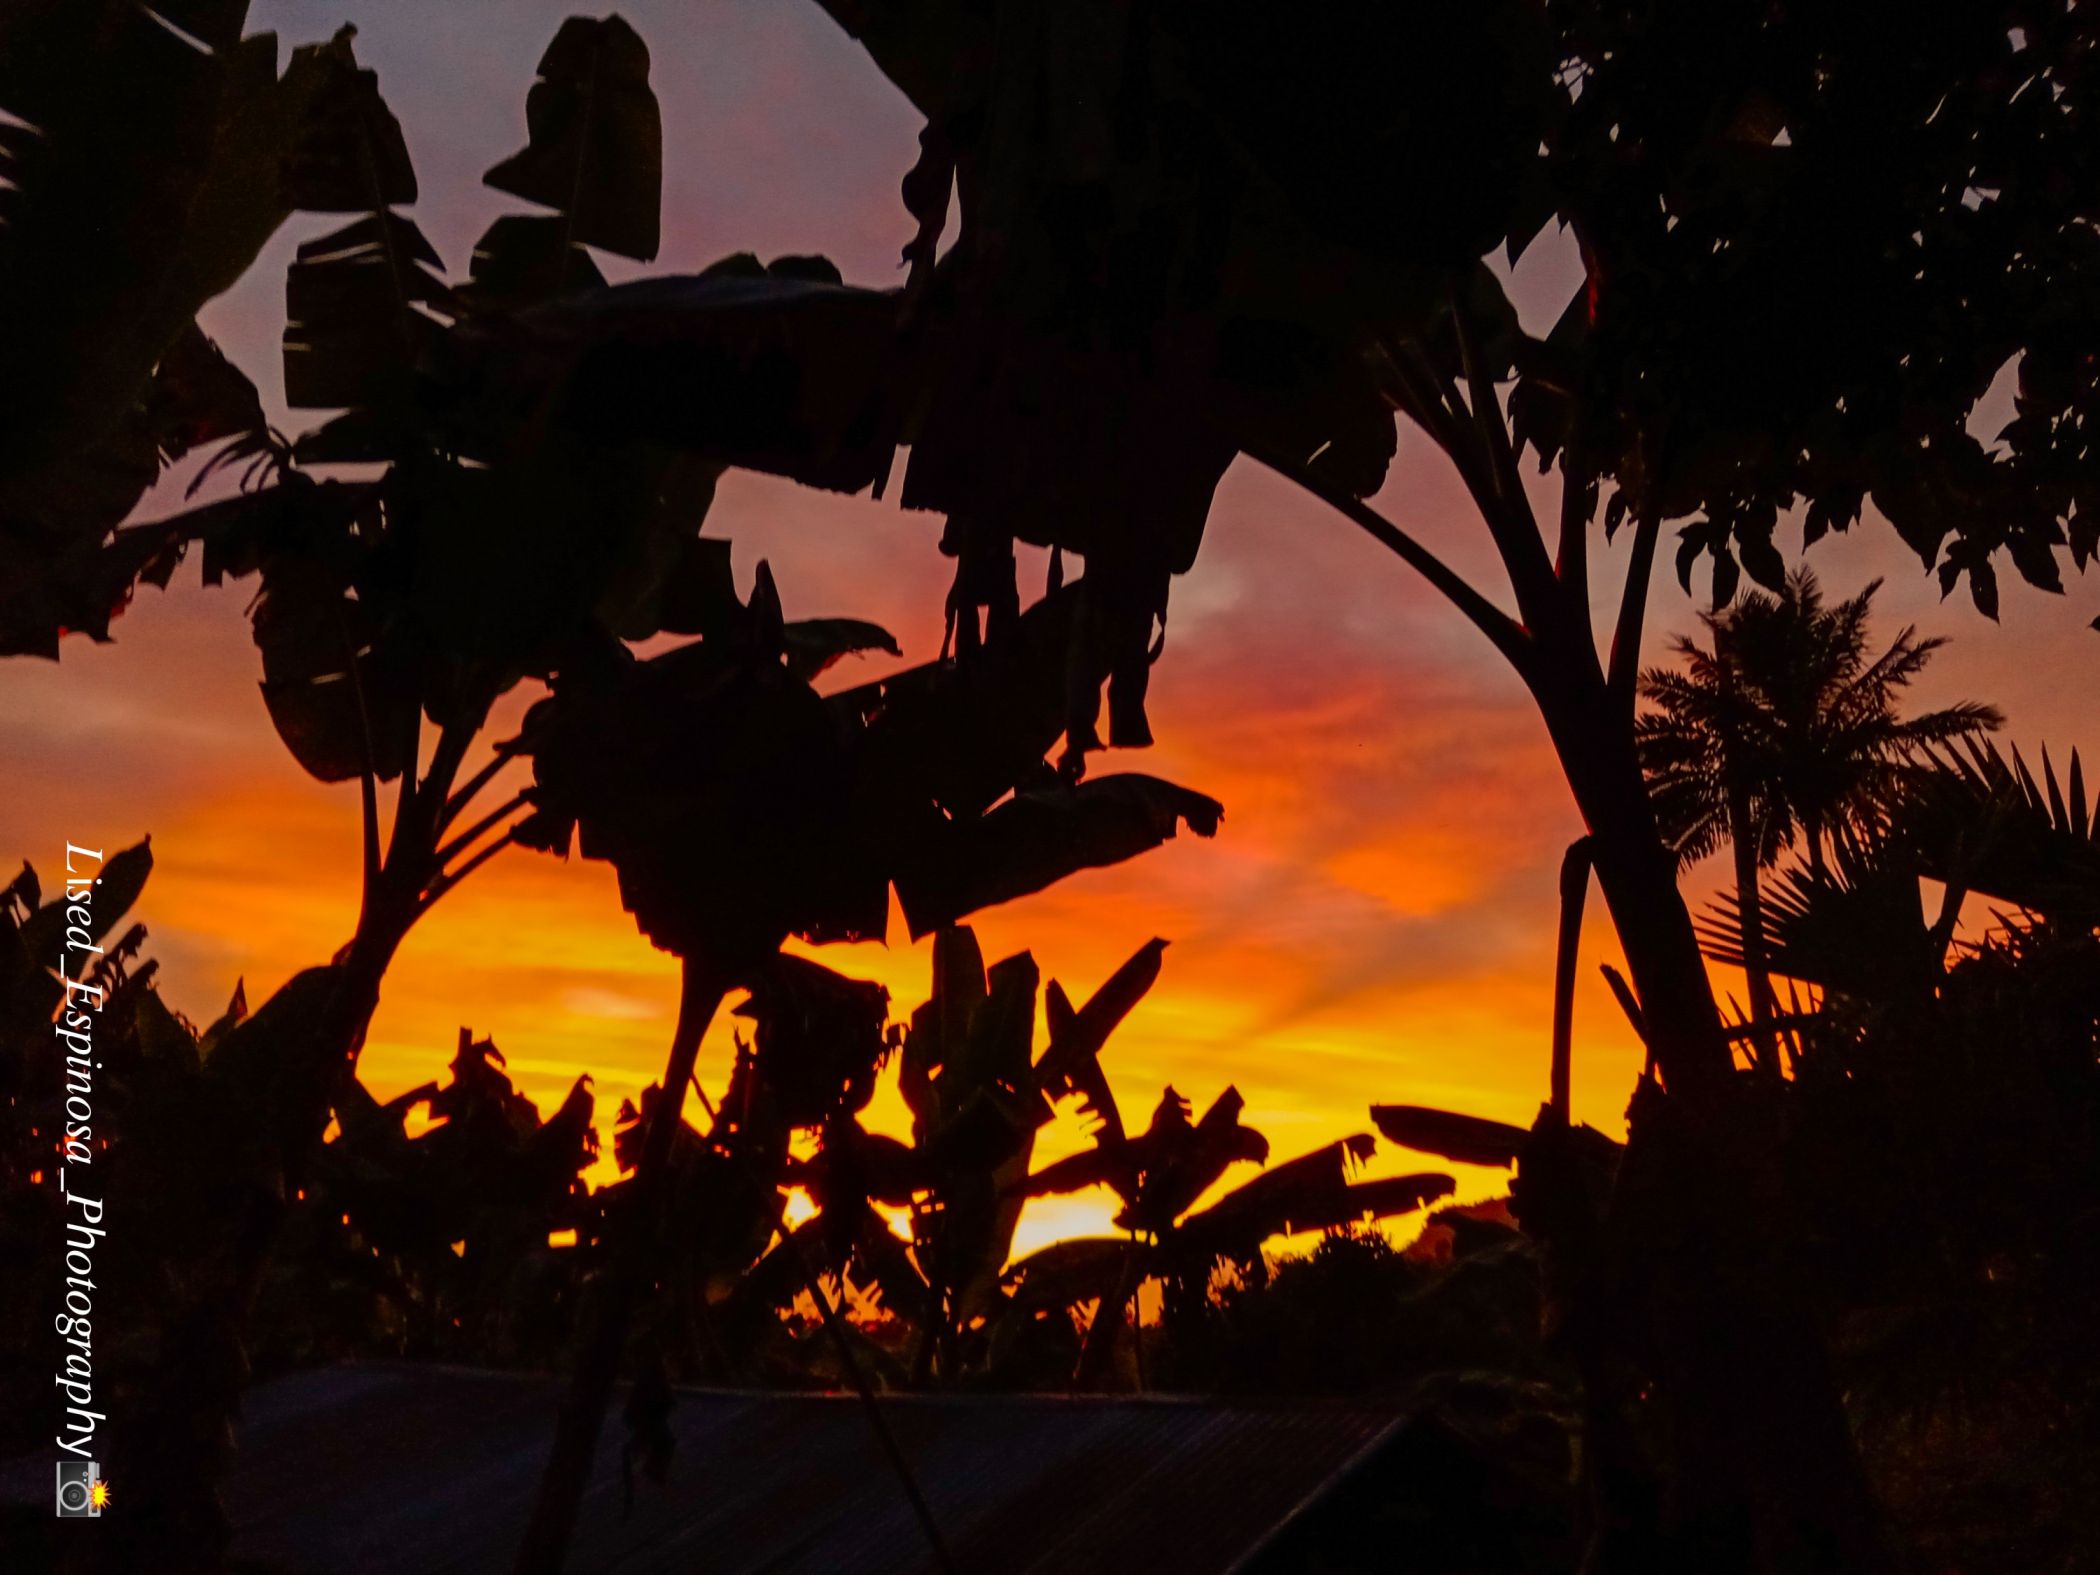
<point>978,1092</point>
<point>394,611</point>
<point>738,808</point>
<point>141,160</point>
<point>1159,1175</point>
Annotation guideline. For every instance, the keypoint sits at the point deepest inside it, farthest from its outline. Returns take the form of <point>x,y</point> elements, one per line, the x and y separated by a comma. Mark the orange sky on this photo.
<point>1373,923</point>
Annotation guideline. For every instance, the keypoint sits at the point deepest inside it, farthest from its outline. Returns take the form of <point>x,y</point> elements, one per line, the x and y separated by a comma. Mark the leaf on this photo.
<point>819,1037</point>
<point>235,1014</point>
<point>964,734</point>
<point>784,374</point>
<point>1039,837</point>
<point>1090,1167</point>
<point>117,885</point>
<point>814,645</point>
<point>356,327</point>
<point>522,259</point>
<point>1072,1059</point>
<point>2034,555</point>
<point>336,690</point>
<point>1311,1192</point>
<point>1763,560</point>
<point>1469,1140</point>
<point>1081,1268</point>
<point>197,396</point>
<point>351,158</point>
<point>596,148</point>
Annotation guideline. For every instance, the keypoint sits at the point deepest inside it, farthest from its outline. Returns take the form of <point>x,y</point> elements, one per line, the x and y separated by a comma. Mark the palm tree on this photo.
<point>1784,731</point>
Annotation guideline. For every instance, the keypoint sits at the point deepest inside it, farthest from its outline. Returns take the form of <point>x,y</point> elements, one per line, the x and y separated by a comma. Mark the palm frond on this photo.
<point>1975,817</point>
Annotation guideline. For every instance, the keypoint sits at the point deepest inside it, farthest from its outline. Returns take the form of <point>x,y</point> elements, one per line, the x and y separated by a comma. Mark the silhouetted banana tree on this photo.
<point>490,548</point>
<point>1159,1175</point>
<point>738,808</point>
<point>142,152</point>
<point>978,1093</point>
<point>1265,235</point>
<point>454,1221</point>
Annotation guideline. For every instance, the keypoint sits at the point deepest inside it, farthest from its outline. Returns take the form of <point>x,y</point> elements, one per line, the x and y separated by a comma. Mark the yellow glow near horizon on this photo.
<point>537,954</point>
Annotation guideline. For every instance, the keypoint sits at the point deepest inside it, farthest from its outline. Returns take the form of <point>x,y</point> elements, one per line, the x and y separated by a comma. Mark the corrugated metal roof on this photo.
<point>406,1468</point>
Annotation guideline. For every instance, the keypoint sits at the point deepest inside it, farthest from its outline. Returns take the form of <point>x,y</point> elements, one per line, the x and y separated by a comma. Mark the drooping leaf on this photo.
<point>1081,1268</point>
<point>358,308</point>
<point>1039,837</point>
<point>1311,1192</point>
<point>337,691</point>
<point>711,779</point>
<point>814,645</point>
<point>779,373</point>
<point>596,148</point>
<point>1470,1140</point>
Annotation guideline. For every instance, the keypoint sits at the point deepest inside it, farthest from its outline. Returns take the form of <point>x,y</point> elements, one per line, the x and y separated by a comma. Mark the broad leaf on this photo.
<point>596,149</point>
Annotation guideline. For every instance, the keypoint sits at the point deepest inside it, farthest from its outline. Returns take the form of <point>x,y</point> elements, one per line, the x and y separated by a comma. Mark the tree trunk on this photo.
<point>604,1334</point>
<point>1574,890</point>
<point>1638,877</point>
<point>1766,1478</point>
<point>1743,838</point>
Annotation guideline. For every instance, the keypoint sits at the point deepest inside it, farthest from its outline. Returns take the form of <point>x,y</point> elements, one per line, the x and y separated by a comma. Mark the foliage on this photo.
<point>1812,238</point>
<point>1357,1314</point>
<point>434,1244</point>
<point>740,808</point>
<point>1981,823</point>
<point>1787,708</point>
<point>142,166</point>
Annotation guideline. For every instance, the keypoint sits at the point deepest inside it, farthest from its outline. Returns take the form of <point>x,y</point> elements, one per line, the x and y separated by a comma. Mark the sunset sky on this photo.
<point>1374,921</point>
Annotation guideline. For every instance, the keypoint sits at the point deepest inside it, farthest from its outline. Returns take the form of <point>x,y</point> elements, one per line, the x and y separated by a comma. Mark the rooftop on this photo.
<point>404,1467</point>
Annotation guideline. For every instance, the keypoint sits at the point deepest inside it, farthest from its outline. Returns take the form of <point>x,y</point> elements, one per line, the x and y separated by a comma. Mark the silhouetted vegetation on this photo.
<point>1811,240</point>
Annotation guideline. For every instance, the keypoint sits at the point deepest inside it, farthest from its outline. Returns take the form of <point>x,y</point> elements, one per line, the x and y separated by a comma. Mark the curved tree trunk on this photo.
<point>1767,1478</point>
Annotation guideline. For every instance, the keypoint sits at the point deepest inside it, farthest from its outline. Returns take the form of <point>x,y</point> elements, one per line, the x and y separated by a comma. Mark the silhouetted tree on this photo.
<point>142,152</point>
<point>1160,1175</point>
<point>1811,241</point>
<point>1785,728</point>
<point>739,808</point>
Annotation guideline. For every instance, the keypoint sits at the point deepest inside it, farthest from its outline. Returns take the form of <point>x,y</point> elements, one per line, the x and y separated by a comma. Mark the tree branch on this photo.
<point>1571,563</point>
<point>368,766</point>
<point>474,784</point>
<point>446,880</point>
<point>1574,889</point>
<point>1503,504</point>
<point>1503,632</point>
<point>1633,610</point>
<point>472,834</point>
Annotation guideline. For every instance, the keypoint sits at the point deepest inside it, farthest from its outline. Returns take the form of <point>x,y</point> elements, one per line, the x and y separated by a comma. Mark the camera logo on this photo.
<point>81,1490</point>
